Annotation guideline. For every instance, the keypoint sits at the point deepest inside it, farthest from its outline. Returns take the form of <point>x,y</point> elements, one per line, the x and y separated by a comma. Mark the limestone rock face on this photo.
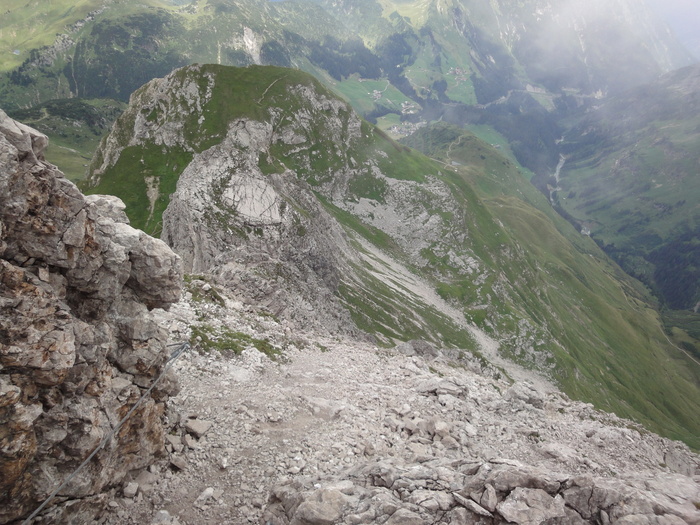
<point>271,188</point>
<point>228,217</point>
<point>79,334</point>
<point>264,235</point>
<point>299,260</point>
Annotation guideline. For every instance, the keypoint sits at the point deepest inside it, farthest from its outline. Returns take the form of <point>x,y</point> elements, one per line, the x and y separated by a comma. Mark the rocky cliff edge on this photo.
<point>80,293</point>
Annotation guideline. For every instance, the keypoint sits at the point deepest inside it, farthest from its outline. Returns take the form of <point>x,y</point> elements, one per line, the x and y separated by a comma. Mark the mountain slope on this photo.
<point>435,52</point>
<point>404,433</point>
<point>630,178</point>
<point>556,287</point>
<point>267,180</point>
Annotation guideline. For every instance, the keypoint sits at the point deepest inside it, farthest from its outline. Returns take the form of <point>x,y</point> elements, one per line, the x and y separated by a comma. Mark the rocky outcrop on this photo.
<point>481,492</point>
<point>79,335</point>
<point>227,218</point>
<point>265,235</point>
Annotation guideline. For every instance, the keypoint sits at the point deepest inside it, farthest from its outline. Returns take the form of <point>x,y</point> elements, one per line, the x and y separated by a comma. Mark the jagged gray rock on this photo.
<point>618,500</point>
<point>531,507</point>
<point>77,335</point>
<point>321,507</point>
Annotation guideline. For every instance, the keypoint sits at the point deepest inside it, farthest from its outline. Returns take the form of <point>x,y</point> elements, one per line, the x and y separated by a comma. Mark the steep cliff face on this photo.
<point>79,335</point>
<point>228,218</point>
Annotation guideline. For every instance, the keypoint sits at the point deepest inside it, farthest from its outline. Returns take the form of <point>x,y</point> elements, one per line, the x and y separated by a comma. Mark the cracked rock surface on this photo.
<point>80,338</point>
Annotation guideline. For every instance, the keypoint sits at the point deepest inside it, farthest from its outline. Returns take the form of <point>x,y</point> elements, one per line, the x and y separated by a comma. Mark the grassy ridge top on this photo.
<point>261,93</point>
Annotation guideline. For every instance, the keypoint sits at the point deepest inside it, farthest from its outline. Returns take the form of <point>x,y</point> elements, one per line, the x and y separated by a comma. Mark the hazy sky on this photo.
<point>684,18</point>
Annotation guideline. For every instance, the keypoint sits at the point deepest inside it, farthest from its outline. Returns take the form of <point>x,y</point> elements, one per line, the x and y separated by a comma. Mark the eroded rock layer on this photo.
<point>79,335</point>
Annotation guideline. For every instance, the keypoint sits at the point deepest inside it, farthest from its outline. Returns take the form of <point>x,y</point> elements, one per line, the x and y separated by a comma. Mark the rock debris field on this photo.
<point>340,431</point>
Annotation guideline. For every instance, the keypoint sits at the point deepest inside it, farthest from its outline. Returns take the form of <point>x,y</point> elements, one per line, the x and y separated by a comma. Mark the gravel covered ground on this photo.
<point>335,430</point>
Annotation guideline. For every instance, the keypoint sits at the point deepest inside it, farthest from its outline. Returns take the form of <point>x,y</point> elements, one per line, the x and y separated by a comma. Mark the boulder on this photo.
<point>525,392</point>
<point>472,506</point>
<point>489,499</point>
<point>198,427</point>
<point>432,500</point>
<point>587,497</point>
<point>406,517</point>
<point>322,507</point>
<point>531,507</point>
<point>506,478</point>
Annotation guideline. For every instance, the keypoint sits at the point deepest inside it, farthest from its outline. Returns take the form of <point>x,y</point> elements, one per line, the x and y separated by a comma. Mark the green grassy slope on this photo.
<point>631,179</point>
<point>596,324</point>
<point>25,26</point>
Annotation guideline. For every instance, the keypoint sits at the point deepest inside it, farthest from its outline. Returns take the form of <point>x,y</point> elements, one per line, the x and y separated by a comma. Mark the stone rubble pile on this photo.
<point>340,431</point>
<point>466,491</point>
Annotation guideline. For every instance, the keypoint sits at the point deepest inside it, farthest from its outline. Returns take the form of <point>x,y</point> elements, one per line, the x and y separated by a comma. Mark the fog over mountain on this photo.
<point>684,18</point>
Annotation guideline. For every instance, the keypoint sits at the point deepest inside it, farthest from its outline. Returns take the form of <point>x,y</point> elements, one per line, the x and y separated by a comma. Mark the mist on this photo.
<point>683,16</point>
<point>598,46</point>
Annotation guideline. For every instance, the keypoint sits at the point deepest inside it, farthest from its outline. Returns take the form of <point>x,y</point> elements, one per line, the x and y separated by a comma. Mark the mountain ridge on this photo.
<point>332,422</point>
<point>473,233</point>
